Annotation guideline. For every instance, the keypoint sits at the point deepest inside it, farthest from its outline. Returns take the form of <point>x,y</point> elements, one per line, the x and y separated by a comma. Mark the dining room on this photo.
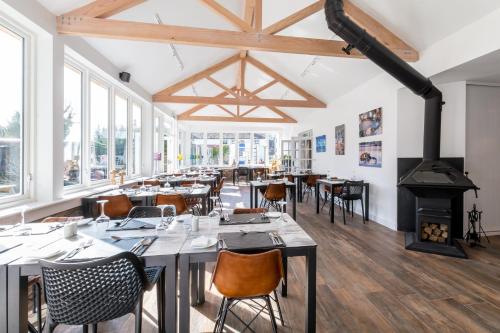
<point>249,165</point>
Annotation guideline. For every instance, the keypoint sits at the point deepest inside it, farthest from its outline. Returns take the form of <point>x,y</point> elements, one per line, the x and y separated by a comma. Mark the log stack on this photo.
<point>434,232</point>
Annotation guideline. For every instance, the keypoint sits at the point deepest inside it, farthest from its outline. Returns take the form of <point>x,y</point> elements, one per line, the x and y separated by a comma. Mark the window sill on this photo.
<point>35,210</point>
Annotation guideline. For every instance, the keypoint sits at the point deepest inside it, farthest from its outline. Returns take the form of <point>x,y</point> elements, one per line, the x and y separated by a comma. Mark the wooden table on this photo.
<point>338,183</point>
<point>255,186</point>
<point>147,198</point>
<point>192,264</point>
<point>163,252</point>
<point>251,171</point>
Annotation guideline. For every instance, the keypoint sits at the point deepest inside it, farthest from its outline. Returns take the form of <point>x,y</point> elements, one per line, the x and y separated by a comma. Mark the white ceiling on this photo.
<point>419,22</point>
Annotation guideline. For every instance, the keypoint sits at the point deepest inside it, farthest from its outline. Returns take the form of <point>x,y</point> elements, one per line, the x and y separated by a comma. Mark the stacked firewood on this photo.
<point>434,232</point>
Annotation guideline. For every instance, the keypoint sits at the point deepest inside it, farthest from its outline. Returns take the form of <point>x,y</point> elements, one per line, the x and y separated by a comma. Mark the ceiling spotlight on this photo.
<point>175,54</point>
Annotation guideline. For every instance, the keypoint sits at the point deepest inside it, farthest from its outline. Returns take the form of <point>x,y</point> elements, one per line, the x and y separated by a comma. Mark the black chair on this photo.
<point>352,191</point>
<point>144,212</point>
<point>242,171</point>
<point>90,292</point>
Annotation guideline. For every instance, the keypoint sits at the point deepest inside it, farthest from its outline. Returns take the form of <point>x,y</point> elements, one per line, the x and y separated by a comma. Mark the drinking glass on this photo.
<point>99,227</point>
<point>282,208</point>
<point>143,187</point>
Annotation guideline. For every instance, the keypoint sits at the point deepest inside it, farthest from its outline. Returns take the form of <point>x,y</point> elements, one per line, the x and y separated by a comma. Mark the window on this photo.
<point>229,149</point>
<point>273,149</point>
<point>197,148</point>
<point>99,114</point>
<point>136,139</point>
<point>72,125</point>
<point>12,113</point>
<point>260,148</point>
<point>244,144</point>
<point>213,148</point>
<point>121,124</point>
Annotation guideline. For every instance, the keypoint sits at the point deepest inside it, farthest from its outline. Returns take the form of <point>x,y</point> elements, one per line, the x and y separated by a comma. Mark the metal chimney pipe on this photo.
<point>356,37</point>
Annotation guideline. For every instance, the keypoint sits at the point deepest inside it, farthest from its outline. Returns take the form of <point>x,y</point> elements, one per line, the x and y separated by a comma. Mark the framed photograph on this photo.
<point>370,154</point>
<point>370,123</point>
<point>340,140</point>
<point>321,144</point>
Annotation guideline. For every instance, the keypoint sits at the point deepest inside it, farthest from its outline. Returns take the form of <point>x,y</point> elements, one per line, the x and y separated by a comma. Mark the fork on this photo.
<point>83,246</point>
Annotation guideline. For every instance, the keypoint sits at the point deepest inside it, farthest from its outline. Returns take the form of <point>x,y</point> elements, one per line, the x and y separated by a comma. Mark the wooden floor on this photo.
<point>366,282</point>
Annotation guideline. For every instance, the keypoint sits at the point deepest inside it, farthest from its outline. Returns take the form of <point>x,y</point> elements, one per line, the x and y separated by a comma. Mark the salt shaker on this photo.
<point>195,223</point>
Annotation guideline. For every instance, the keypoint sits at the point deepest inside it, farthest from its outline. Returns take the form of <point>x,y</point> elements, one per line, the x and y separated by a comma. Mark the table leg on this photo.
<point>256,197</point>
<point>204,206</point>
<point>201,283</point>
<point>234,177</point>
<point>251,195</point>
<point>316,189</point>
<point>184,308</point>
<point>332,208</point>
<point>299,188</point>
<point>367,202</point>
<point>284,283</point>
<point>170,291</point>
<point>294,200</point>
<point>18,301</point>
<point>310,322</point>
<point>3,298</point>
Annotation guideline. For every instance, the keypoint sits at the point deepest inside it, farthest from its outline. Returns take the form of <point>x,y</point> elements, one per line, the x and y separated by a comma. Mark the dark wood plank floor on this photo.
<point>366,282</point>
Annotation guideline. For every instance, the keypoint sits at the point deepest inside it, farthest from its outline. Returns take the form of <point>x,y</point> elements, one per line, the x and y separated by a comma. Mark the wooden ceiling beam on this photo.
<point>199,76</point>
<point>258,15</point>
<point>240,100</point>
<point>264,87</point>
<point>240,81</point>
<point>285,81</point>
<point>226,110</point>
<point>228,15</point>
<point>272,108</point>
<point>223,87</point>
<point>236,119</point>
<point>294,18</point>
<point>199,107</point>
<point>104,8</point>
<point>250,110</point>
<point>116,29</point>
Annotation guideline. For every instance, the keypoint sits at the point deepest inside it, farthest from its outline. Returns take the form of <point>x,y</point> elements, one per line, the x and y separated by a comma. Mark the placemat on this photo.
<point>127,243</point>
<point>245,219</point>
<point>37,229</point>
<point>133,224</point>
<point>237,241</point>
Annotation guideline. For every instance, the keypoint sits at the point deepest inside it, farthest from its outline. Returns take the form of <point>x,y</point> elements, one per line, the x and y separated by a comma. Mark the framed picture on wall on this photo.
<point>370,123</point>
<point>340,140</point>
<point>370,154</point>
<point>321,144</point>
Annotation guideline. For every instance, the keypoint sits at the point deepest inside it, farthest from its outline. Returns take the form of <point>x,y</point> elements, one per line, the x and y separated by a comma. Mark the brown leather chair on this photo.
<point>173,199</point>
<point>117,206</point>
<point>249,211</point>
<point>310,185</point>
<point>246,276</point>
<point>274,192</point>
<point>218,189</point>
<point>188,183</point>
<point>152,182</point>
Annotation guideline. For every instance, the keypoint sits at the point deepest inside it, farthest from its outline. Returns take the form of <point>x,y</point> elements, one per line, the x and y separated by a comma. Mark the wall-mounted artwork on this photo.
<point>321,144</point>
<point>370,123</point>
<point>340,140</point>
<point>370,154</point>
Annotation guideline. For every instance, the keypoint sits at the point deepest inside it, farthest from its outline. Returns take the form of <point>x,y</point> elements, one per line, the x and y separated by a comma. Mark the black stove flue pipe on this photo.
<point>358,38</point>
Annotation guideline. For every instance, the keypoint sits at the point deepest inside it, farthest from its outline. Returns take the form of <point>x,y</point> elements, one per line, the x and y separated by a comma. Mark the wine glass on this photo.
<point>143,187</point>
<point>259,178</point>
<point>163,224</point>
<point>282,208</point>
<point>214,202</point>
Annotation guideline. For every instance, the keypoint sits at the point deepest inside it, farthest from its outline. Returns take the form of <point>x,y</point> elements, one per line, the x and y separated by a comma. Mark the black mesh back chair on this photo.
<point>352,191</point>
<point>144,212</point>
<point>243,172</point>
<point>87,293</point>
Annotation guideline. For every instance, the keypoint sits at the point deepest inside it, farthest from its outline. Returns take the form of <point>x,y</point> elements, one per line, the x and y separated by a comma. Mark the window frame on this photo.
<point>138,168</point>
<point>28,126</point>
<point>117,92</point>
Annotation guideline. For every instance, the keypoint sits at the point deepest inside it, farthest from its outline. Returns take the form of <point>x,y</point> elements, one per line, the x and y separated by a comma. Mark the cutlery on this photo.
<point>83,246</point>
<point>141,244</point>
<point>118,238</point>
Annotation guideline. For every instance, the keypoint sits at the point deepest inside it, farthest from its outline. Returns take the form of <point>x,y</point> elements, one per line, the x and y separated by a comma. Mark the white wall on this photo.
<point>379,92</point>
<point>410,124</point>
<point>482,158</point>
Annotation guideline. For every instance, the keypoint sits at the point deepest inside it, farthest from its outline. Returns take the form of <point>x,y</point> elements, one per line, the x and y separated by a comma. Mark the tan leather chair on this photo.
<point>274,192</point>
<point>61,219</point>
<point>117,206</point>
<point>217,191</point>
<point>310,184</point>
<point>173,199</point>
<point>249,211</point>
<point>152,182</point>
<point>246,276</point>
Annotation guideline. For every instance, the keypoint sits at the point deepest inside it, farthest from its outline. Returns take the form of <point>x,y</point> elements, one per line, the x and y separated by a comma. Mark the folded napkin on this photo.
<point>200,242</point>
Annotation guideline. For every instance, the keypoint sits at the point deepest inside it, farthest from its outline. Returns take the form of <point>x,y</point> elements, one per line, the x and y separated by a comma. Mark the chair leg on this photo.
<point>363,210</point>
<point>219,315</point>
<point>49,324</point>
<point>85,328</point>
<point>94,328</point>
<point>271,314</point>
<point>138,316</point>
<point>160,302</point>
<point>279,308</point>
<point>224,314</point>
<point>38,305</point>
<point>343,210</point>
<point>352,208</point>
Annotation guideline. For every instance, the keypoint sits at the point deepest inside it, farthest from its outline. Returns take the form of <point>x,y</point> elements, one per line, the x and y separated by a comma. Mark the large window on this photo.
<point>213,148</point>
<point>244,144</point>
<point>121,124</point>
<point>197,148</point>
<point>136,139</point>
<point>229,149</point>
<point>99,118</point>
<point>72,125</point>
<point>11,113</point>
<point>260,148</point>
